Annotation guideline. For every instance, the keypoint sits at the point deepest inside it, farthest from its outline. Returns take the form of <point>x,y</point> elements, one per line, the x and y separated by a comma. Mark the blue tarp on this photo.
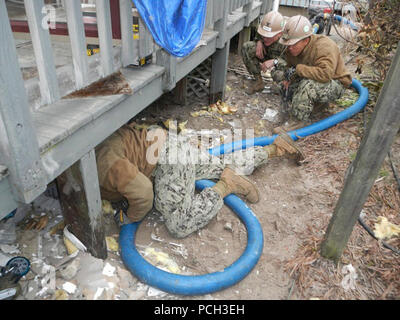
<point>176,25</point>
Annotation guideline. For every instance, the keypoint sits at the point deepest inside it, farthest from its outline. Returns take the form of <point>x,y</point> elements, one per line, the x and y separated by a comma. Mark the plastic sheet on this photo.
<point>176,25</point>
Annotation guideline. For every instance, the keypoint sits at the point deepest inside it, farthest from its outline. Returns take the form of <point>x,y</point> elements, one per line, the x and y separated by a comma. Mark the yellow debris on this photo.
<point>112,244</point>
<point>170,124</point>
<point>158,257</point>
<point>60,295</point>
<point>106,206</point>
<point>385,229</point>
<point>71,248</point>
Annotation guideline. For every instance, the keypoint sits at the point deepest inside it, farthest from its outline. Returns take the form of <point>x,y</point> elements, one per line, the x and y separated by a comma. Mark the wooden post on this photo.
<point>221,24</point>
<point>180,92</point>
<point>81,204</point>
<point>374,147</point>
<point>244,36</point>
<point>218,73</point>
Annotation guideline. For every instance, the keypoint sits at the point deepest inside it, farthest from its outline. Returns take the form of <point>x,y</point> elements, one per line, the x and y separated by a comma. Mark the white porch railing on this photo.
<point>19,146</point>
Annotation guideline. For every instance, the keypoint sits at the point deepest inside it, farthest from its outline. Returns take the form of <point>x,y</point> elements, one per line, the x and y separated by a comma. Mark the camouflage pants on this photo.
<point>183,210</point>
<point>252,63</point>
<point>307,93</point>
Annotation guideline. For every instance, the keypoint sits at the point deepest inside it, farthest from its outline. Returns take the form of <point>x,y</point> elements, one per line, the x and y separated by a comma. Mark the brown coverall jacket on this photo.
<point>320,61</point>
<point>124,171</point>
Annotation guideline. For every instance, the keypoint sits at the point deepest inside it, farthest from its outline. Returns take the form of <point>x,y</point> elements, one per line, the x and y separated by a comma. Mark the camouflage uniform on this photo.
<point>307,93</point>
<point>321,76</point>
<point>252,63</point>
<point>185,211</point>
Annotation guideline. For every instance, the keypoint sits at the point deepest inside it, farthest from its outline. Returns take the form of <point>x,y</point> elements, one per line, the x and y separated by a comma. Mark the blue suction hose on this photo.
<point>208,283</point>
<point>305,131</point>
<point>198,284</point>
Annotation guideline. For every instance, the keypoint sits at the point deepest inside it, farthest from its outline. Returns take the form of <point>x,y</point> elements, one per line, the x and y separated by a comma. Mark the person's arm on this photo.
<point>324,66</point>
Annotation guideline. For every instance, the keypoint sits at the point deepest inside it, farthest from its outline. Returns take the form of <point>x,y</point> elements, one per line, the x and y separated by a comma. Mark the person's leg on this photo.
<point>184,211</point>
<point>252,64</point>
<point>309,92</point>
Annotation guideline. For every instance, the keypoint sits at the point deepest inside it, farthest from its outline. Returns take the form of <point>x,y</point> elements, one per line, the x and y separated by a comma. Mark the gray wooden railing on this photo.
<point>28,143</point>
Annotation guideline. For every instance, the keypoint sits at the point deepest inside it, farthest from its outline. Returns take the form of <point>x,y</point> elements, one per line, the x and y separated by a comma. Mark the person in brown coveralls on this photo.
<point>316,73</point>
<point>130,159</point>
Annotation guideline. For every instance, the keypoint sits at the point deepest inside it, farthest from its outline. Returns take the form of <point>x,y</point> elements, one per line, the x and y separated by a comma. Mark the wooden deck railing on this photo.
<point>20,148</point>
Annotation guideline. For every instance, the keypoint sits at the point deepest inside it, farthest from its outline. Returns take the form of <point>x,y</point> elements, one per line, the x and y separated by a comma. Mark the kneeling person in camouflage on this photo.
<point>264,52</point>
<point>130,159</point>
<point>316,74</point>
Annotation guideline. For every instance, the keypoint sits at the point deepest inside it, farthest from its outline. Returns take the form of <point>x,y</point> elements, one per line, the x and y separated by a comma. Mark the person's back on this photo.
<point>321,61</point>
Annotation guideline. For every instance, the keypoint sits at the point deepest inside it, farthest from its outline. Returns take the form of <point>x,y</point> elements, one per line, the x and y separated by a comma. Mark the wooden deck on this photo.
<point>63,131</point>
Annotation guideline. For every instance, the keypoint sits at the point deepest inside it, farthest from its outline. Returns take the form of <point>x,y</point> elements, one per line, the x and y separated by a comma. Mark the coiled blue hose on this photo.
<point>198,284</point>
<point>208,283</point>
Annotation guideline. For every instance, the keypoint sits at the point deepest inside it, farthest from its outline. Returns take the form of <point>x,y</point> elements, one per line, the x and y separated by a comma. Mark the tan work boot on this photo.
<point>231,182</point>
<point>256,86</point>
<point>284,146</point>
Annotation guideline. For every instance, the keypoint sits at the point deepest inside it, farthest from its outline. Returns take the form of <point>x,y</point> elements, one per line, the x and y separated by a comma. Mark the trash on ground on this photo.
<point>270,115</point>
<point>385,229</point>
<point>112,244</point>
<point>72,243</point>
<point>349,280</point>
<point>162,260</point>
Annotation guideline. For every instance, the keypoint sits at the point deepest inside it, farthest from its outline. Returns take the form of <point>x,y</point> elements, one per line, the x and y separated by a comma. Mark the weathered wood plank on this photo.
<point>78,42</point>
<point>17,134</point>
<point>49,88</point>
<point>218,74</point>
<point>128,54</point>
<point>375,145</point>
<point>81,204</point>
<point>103,15</point>
<point>169,62</point>
<point>221,25</point>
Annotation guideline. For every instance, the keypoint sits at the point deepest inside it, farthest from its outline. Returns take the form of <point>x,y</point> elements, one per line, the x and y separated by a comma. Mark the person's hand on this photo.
<point>267,65</point>
<point>290,73</point>
<point>286,84</point>
<point>260,50</point>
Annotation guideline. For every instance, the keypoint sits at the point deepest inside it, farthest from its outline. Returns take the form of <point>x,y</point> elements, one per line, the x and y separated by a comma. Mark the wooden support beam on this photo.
<point>221,26</point>
<point>244,36</point>
<point>375,145</point>
<point>169,62</point>
<point>81,204</point>
<point>218,73</point>
<point>180,92</point>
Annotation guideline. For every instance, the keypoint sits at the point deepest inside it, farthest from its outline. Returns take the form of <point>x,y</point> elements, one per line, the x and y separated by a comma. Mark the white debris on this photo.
<point>153,292</point>
<point>108,270</point>
<point>270,115</point>
<point>349,280</point>
<point>69,287</point>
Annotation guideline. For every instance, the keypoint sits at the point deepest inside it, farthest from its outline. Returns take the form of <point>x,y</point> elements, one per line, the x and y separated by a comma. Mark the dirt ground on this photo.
<point>296,205</point>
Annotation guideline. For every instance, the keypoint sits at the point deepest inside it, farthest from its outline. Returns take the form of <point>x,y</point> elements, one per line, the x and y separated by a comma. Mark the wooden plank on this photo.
<point>76,31</point>
<point>128,54</point>
<point>43,51</point>
<point>18,138</point>
<point>169,62</point>
<point>146,42</point>
<point>221,25</point>
<point>375,145</point>
<point>218,74</point>
<point>103,15</point>
<point>81,204</point>
<point>248,9</point>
